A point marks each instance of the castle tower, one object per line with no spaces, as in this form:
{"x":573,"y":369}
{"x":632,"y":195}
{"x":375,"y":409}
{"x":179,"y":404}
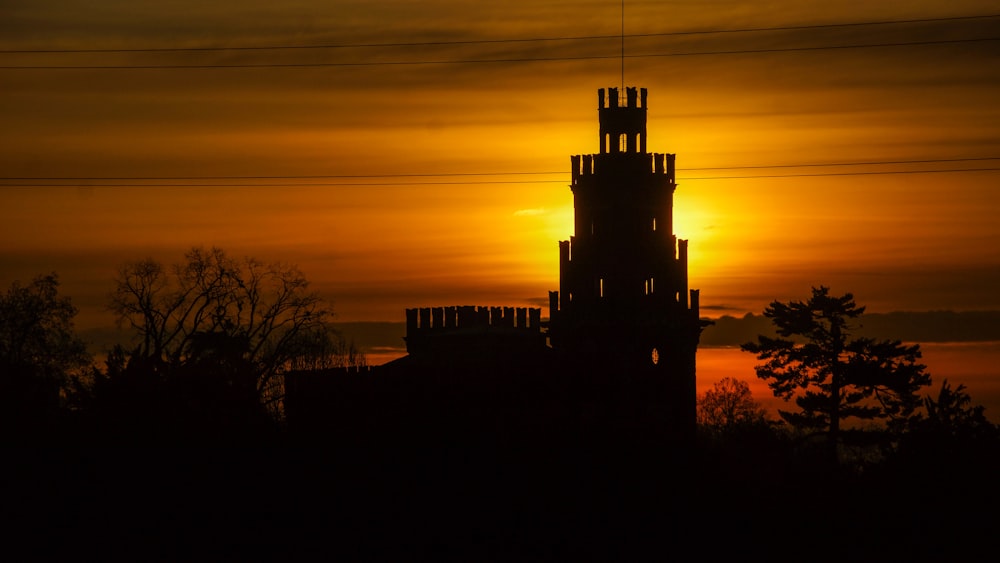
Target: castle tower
{"x":623,"y":313}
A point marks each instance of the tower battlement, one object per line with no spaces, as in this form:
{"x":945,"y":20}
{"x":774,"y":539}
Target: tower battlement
{"x":467,"y":317}
{"x":457,"y":330}
{"x":614,"y":99}
{"x":623,"y":127}
{"x":656,"y":164}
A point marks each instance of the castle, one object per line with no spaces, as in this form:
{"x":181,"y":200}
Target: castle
{"x":616,"y":352}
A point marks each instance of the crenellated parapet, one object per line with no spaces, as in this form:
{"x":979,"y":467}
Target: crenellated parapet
{"x":622,"y":125}
{"x":473,"y":317}
{"x":633,"y":98}
{"x":653,"y":164}
{"x":447,"y":329}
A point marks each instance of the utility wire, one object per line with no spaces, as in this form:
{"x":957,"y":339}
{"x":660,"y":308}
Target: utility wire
{"x":89,"y":184}
{"x":311,"y":177}
{"x":507,"y":60}
{"x":282,"y":185}
{"x":474,"y":174}
{"x":858,"y":173}
{"x":494,"y":41}
{"x":855,"y":163}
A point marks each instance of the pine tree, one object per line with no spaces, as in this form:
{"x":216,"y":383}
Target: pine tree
{"x":832,"y":376}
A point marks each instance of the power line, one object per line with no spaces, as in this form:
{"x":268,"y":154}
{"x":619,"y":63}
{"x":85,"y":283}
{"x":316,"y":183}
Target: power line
{"x":494,"y":41}
{"x":283,"y":185}
{"x":481,"y":174}
{"x":83,"y":184}
{"x":855,"y":163}
{"x":858,"y":173}
{"x":507,"y":60}
{"x":310,"y":177}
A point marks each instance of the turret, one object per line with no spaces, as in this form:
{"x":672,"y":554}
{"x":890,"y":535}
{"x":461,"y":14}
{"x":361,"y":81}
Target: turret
{"x":623,"y":296}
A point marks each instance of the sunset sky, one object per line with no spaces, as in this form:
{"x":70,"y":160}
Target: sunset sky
{"x":416,"y":153}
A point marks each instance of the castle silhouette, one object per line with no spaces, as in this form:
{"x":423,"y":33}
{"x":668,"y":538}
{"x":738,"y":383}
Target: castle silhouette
{"x":615,"y":357}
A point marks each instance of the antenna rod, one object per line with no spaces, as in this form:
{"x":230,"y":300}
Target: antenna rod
{"x":623,"y":46}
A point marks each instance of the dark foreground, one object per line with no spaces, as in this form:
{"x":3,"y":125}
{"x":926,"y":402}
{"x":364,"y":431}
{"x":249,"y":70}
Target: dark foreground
{"x":600,"y":501}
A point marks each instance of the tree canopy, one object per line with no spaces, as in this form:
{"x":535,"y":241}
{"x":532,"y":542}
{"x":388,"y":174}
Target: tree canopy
{"x":729,"y":405}
{"x":36,"y":330}
{"x":39,"y":351}
{"x":223,"y":317}
{"x":832,"y":376}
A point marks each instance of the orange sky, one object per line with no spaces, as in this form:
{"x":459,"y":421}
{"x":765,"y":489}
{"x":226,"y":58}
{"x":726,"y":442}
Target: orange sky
{"x":898,"y":241}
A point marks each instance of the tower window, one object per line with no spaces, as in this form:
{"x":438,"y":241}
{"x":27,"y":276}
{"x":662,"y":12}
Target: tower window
{"x":600,"y":287}
{"x":654,"y":224}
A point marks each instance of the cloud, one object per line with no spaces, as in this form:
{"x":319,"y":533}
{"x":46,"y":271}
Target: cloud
{"x":928,"y":326}
{"x":380,"y":248}
{"x":529,"y":212}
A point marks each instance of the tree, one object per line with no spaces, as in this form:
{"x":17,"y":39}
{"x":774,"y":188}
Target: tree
{"x":833,"y":377}
{"x":240,"y":321}
{"x":949,"y":453}
{"x":953,"y":417}
{"x":39,"y":350}
{"x":729,"y":405}
{"x":328,"y":350}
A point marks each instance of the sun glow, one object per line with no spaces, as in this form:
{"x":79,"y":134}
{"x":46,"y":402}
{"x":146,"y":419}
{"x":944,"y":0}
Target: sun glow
{"x":912,"y":241}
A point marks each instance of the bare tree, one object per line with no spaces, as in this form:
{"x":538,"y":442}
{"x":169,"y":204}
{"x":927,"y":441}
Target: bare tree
{"x":262,"y":313}
{"x":729,"y":405}
{"x":326,"y":350}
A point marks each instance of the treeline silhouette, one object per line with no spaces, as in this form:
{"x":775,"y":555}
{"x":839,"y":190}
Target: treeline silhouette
{"x":908,"y":326}
{"x":176,"y":446}
{"x":729,"y":330}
